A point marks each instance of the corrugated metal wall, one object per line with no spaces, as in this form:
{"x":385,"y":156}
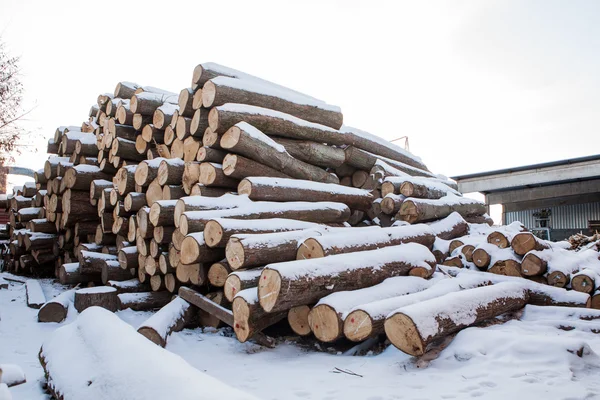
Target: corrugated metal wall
{"x":575,"y":216}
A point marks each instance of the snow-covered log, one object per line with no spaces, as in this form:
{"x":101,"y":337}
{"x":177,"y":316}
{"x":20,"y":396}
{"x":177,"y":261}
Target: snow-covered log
{"x":146,"y":103}
{"x":129,"y":286}
{"x":202,"y":203}
{"x":321,"y":212}
{"x":56,"y":309}
{"x":211,"y":174}
{"x":91,"y":262}
{"x":585,"y":280}
{"x":281,"y":189}
{"x":170,"y":171}
{"x":195,"y":250}
{"x":147,"y":171}
{"x":524,"y":242}
{"x":425,"y":189}
{"x":313,"y":153}
{"x":249,"y":317}
{"x":422,"y":210}
{"x":249,"y":141}
{"x":222,"y":90}
{"x":365,"y":160}
{"x":240,"y":280}
{"x":218,"y":231}
{"x":412,"y":328}
{"x":288,"y":284}
{"x":35,"y":294}
{"x":355,"y":240}
{"x":326,"y":317}
{"x":99,"y":339}
{"x":69,"y":274}
{"x":11,"y":375}
{"x":238,"y":167}
{"x":81,"y":176}
{"x":173,"y":317}
{"x":112,"y":271}
{"x":218,"y":272}
{"x":143,"y":301}
{"x":101,"y":296}
{"x":391,"y":203}
{"x":451,"y":227}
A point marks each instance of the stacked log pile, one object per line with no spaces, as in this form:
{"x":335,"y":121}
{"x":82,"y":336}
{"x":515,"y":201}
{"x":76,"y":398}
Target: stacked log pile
{"x":256,"y":206}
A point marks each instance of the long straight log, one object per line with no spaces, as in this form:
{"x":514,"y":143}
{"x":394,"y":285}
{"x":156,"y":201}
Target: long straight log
{"x":173,"y":317}
{"x":238,"y":167}
{"x":313,"y":153}
{"x":144,"y":301}
{"x":201,"y":203}
{"x":281,"y":189}
{"x":248,"y":141}
{"x":410,"y":327}
{"x":294,"y":283}
{"x":422,"y":210}
{"x":195,"y":250}
{"x":240,"y":280}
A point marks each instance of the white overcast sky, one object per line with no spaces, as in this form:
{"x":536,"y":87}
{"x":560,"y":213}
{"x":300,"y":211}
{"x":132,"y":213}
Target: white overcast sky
{"x":475,"y":85}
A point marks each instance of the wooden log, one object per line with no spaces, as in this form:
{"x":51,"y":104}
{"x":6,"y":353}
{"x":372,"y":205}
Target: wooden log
{"x":199,"y":122}
{"x":126,"y":149}
{"x":322,"y":212}
{"x":281,"y":189}
{"x":140,"y":120}
{"x":112,"y":271}
{"x":56,"y":309}
{"x":144,"y":301}
{"x":41,"y":225}
{"x":163,"y":115}
{"x":313,"y":153}
{"x":298,"y":319}
{"x":129,"y":286}
{"x":422,"y":210}
{"x":128,"y":257}
{"x":365,"y":160}
{"x":212,"y":139}
{"x":39,"y":241}
{"x":248,"y":141}
{"x":195,"y":250}
{"x":218,"y":272}
{"x":35,"y":294}
{"x":201,"y":203}
{"x":349,"y":242}
{"x":153,"y":193}
{"x":69,"y":275}
{"x":147,"y":171}
{"x":190,"y":148}
{"x":146,"y":103}
{"x":326,"y":319}
{"x":285,"y":285}
{"x":208,"y":154}
{"x":183,"y":127}
{"x":248,"y":317}
{"x":218,"y":231}
{"x":409,"y":328}
{"x":157,"y":283}
{"x":584,"y":281}
{"x":238,"y":167}
{"x":134,"y":201}
{"x":425,"y":189}
{"x":212,"y":174}
{"x":126,"y":89}
{"x":162,"y":212}
{"x":207,"y":305}
{"x":170,"y":172}
{"x":173,"y":317}
{"x":201,"y":190}
{"x":80,"y":177}
{"x":240,"y":280}
{"x":92,"y":262}
{"x":103,"y":296}
{"x":173,"y":192}
{"x":451,"y":227}
{"x":524,"y":242}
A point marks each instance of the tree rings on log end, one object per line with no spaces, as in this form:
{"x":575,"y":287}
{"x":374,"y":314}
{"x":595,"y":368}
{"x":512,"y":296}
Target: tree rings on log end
{"x":358,"y":326}
{"x":269,"y":286}
{"x":310,"y":248}
{"x":298,"y":320}
{"x":402,"y":332}
{"x":325,"y":323}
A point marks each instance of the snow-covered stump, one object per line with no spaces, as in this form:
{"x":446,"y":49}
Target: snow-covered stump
{"x":240,"y":280}
{"x":99,"y":338}
{"x":102,"y":296}
{"x":423,"y":210}
{"x":413,"y":328}
{"x":173,"y":317}
{"x":35,"y":294}
{"x":298,"y":319}
{"x":249,"y":141}
{"x":451,"y":227}
{"x":56,"y":309}
{"x":288,"y":284}
{"x":143,"y":301}
{"x":281,"y":189}
{"x":326,"y":319}
{"x":217,"y":232}
{"x":356,"y":240}
{"x":320,"y":212}
{"x":249,"y":317}
{"x":11,"y":375}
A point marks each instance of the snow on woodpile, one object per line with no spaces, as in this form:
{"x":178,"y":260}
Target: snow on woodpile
{"x":101,"y":357}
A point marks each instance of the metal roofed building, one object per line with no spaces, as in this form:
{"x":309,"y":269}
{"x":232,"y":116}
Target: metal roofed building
{"x":556,"y":199}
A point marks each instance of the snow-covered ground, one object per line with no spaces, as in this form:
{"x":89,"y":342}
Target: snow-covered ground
{"x":530,"y":358}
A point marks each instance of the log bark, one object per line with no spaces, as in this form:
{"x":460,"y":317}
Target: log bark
{"x":104,"y":296}
{"x":409,"y":327}
{"x":56,"y":309}
{"x":248,"y":316}
{"x":195,"y":250}
{"x":240,"y":280}
{"x":163,"y":116}
{"x":144,"y":301}
{"x":112,"y":271}
{"x":129,"y":286}
{"x":201,"y":190}
{"x":146,"y":103}
{"x":170,"y":172}
{"x":199,"y":122}
{"x":69,"y":274}
{"x":162,"y":212}
{"x":147,"y":171}
{"x":248,"y":141}
{"x":208,"y":154}
{"x":217,"y":232}
{"x":313,"y":153}
{"x":238,"y":167}
{"x":451,"y":227}
{"x":80,"y":177}
{"x":92,"y":262}
{"x":173,"y":317}
{"x":371,"y":239}
{"x":204,"y":203}
{"x":212,"y":174}
{"x":364,"y":160}
{"x":322,"y":212}
{"x":285,"y":285}
{"x":422,"y":210}
{"x":173,"y":192}
{"x":281,"y":189}
{"x":134,"y":201}
{"x":207,"y":305}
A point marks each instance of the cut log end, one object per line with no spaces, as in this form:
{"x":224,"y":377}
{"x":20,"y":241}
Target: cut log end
{"x":152,"y":335}
{"x":52,"y":312}
{"x":481,"y":258}
{"x":583,"y":283}
{"x":499,"y":239}
{"x":325,"y":323}
{"x":235,"y":253}
{"x":245,"y":187}
{"x":408,"y":212}
{"x":232,"y":287}
{"x":298,"y":320}
{"x":213,"y":233}
{"x":310,"y":248}
{"x":402,"y":332}
{"x":532,"y":265}
{"x":358,"y":326}
{"x":269,"y":286}
{"x":241,"y":314}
